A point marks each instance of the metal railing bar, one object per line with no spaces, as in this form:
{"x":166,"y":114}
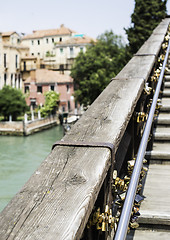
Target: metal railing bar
{"x":130,"y":196}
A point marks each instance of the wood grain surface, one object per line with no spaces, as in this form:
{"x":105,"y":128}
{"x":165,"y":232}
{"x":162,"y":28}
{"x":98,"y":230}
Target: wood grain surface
{"x":57,"y":200}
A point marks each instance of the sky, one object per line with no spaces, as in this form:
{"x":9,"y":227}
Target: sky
{"x":90,"y":17}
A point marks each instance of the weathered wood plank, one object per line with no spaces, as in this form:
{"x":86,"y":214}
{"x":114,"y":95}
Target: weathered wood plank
{"x":162,"y":27}
{"x":151,"y":46}
{"x":154,"y":42}
{"x":132,"y":69}
{"x":58,"y":199}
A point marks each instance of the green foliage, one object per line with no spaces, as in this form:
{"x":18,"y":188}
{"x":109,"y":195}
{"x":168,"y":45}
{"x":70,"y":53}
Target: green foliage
{"x":49,"y":54}
{"x":12,"y":102}
{"x":51,"y":103}
{"x":147,"y":15}
{"x":93,"y":70}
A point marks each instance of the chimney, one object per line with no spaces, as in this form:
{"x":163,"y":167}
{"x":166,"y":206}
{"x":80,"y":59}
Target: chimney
{"x":33,"y":74}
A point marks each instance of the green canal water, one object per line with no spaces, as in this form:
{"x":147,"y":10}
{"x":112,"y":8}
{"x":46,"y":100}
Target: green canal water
{"x":20,"y":157}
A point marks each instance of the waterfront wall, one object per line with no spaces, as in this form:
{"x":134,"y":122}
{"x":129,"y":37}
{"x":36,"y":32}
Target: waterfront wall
{"x":21,"y":128}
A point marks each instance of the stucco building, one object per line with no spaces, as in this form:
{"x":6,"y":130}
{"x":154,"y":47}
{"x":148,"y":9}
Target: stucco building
{"x":56,"y":48}
{"x":41,"y":42}
{"x":43,"y":50}
{"x":43,"y":80}
{"x":67,"y":50}
{"x":11,"y":52}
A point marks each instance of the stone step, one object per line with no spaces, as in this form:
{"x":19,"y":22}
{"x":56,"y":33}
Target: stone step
{"x":165,"y":104}
{"x":163,"y":118}
{"x":167,"y":77}
{"x":162,"y":134}
{"x":167,"y":72}
{"x":148,"y":234}
{"x":167,"y":84}
{"x":166,"y":92}
{"x":155,"y":209}
{"x":160,"y":153}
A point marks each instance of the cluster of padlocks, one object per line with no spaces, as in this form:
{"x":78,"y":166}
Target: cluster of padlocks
{"x":120,"y":187}
{"x":110,"y":217}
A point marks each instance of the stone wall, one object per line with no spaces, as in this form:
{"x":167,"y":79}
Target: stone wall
{"x":11,"y":128}
{"x":22,"y":128}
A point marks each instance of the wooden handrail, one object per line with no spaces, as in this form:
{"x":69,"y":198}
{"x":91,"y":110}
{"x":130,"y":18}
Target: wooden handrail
{"x":57,"y":200}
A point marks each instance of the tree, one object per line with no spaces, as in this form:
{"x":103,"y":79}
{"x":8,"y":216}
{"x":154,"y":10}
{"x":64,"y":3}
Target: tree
{"x":93,"y":70}
{"x":12,"y":102}
{"x":147,"y":15}
{"x":51,"y":103}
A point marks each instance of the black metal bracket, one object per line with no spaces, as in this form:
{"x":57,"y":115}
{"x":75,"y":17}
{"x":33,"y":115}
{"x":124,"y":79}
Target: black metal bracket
{"x":108,"y":145}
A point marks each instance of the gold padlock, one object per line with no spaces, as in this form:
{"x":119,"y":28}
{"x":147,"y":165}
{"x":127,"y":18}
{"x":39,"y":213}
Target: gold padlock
{"x":98,"y":226}
{"x":117,"y":180}
{"x":104,"y":226}
{"x":134,"y":225}
{"x":107,"y":209}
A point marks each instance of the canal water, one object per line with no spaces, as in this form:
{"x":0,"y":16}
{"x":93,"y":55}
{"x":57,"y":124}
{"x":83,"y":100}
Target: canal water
{"x":20,"y":157}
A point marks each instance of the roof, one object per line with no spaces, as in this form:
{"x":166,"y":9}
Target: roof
{"x":76,"y":41}
{"x":7,"y":34}
{"x":49,"y":32}
{"x":48,"y":76}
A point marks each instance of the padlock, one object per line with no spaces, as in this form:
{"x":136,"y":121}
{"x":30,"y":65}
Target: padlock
{"x":122,"y":196}
{"x":114,"y":174}
{"x":117,"y":180}
{"x":104,"y":226}
{"x":98,"y":226}
{"x":134,"y":225}
{"x":112,"y":224}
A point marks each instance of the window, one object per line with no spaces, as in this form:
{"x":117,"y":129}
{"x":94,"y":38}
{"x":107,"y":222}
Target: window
{"x":69,"y":107}
{"x":52,"y":40}
{"x":32,"y":42}
{"x":38,"y":54}
{"x":16,"y":61}
{"x":68,"y":87}
{"x":15,"y":80}
{"x":32,"y":54}
{"x":5,"y":78}
{"x":60,"y":40}
{"x":38,"y":41}
{"x":19,"y":81}
{"x":61,"y":50}
{"x":61,"y":68}
{"x":52,"y":87}
{"x":81,"y":49}
{"x":25,"y":66}
{"x":26,"y":89}
{"x":11,"y":79}
{"x":33,"y":102}
{"x":71,"y":51}
{"x":39,"y":89}
{"x":5,"y":60}
{"x":46,"y":40}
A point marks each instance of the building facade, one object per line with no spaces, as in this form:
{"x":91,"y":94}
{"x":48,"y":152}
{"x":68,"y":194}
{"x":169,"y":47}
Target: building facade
{"x":11,"y":52}
{"x":41,"y":42}
{"x":67,"y":50}
{"x":57,"y":48}
{"x":42,"y":81}
{"x":26,"y":63}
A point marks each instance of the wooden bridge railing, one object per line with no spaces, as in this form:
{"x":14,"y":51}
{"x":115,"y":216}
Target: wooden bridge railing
{"x":58,"y":199}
